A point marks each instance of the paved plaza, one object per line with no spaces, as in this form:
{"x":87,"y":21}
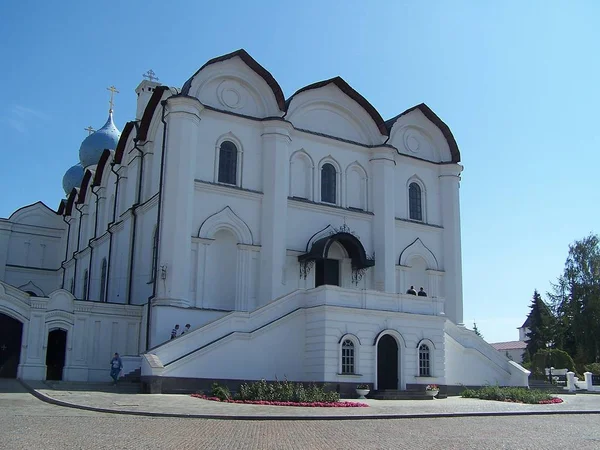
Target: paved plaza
{"x":28,"y":423}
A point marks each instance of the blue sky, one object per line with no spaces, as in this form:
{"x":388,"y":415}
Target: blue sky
{"x":517,"y":82}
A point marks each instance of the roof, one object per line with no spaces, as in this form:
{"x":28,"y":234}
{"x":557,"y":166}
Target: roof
{"x":510,"y":345}
{"x":250,"y":62}
{"x":434,"y":118}
{"x":350,"y":92}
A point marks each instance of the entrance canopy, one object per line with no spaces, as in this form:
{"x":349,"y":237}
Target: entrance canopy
{"x":320,"y":250}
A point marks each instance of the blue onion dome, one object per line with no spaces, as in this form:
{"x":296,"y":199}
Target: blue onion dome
{"x":94,"y":145}
{"x":73,"y":178}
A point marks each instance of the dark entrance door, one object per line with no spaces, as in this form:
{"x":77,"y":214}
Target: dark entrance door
{"x":387,"y":363}
{"x":11,"y":331}
{"x":56,"y":354}
{"x":327,"y":272}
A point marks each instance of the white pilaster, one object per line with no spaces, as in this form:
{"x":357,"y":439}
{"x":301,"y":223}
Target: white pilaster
{"x":449,"y":187}
{"x":201,"y":254}
{"x":183,"y":121}
{"x":434,"y":277}
{"x":4,"y":238}
{"x":243,"y":277}
{"x":275,"y":140}
{"x":383,"y":164}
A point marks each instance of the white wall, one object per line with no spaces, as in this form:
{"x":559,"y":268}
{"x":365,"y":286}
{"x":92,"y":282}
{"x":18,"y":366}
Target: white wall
{"x":95,"y":331}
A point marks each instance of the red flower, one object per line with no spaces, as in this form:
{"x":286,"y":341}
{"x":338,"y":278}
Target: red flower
{"x":305,"y":404}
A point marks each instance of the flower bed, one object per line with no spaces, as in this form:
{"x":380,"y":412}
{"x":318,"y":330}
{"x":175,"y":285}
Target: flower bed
{"x":277,"y":403}
{"x":512,"y":395}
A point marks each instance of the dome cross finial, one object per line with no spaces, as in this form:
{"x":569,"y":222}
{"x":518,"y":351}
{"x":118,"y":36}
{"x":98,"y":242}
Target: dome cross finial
{"x":113,"y":91}
{"x":150,"y":76}
{"x":89,"y":129}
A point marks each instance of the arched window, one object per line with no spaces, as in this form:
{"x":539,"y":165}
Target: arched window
{"x":328,"y":183}
{"x":228,"y":163}
{"x":85,"y":285}
{"x":424,"y":361}
{"x":348,"y":357}
{"x":154,"y":254}
{"x":103,"y":281}
{"x":415,"y":202}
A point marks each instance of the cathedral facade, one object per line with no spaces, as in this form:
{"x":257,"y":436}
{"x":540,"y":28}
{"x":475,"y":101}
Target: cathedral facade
{"x":301,"y":237}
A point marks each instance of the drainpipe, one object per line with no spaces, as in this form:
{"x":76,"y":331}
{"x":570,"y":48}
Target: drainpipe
{"x":134,"y":220}
{"x":78,"y":244}
{"x":91,"y":246}
{"x":66,"y":250}
{"x":158,"y":217}
{"x":110,"y":239}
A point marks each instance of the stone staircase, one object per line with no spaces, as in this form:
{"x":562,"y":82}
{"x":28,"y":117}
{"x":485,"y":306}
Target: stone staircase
{"x":395,"y":394}
{"x":133,"y":377}
{"x":543,"y":385}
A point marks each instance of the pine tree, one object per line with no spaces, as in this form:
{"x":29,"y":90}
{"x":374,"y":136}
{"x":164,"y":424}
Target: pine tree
{"x":541,"y":325}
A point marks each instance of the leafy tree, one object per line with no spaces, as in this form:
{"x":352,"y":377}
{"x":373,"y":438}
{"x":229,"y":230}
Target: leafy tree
{"x":476,"y":330}
{"x":541,"y":325}
{"x":576,"y":302}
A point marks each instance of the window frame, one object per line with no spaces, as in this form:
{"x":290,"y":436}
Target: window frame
{"x":227,"y":174}
{"x":354,"y":365}
{"x":423,"y":199}
{"x":154,"y":255}
{"x":229,"y":137}
{"x":103,"y":278}
{"x":336,"y":183}
{"x":425,"y":366}
{"x":86,"y":280}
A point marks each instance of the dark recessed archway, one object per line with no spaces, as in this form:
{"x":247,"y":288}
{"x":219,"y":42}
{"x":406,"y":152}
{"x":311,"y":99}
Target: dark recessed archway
{"x":56,"y":354}
{"x":328,"y":270}
{"x":387,"y":363}
{"x":11,"y":332}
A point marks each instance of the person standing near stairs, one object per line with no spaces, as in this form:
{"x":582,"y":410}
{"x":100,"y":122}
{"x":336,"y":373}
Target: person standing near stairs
{"x":115,"y":367}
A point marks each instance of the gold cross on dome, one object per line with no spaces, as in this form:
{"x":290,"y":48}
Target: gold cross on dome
{"x":113,"y":91}
{"x":89,"y":129}
{"x":150,"y":75}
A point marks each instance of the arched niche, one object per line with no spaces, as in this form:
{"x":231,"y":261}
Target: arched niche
{"x":356,"y":187}
{"x":301,"y":175}
{"x":226,"y":219}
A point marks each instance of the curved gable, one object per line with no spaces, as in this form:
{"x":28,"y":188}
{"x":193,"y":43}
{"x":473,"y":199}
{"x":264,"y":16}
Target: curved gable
{"x":237,"y":83}
{"x":419,"y":132}
{"x":84,"y":186}
{"x":129,"y":126}
{"x":101,"y":167}
{"x":332,"y":107}
{"x":157,"y":96}
{"x":36,"y":214}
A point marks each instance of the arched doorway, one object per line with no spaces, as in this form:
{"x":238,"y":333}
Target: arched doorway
{"x":56,"y":354}
{"x":328,"y":254}
{"x":387,"y":363}
{"x":11,"y":331}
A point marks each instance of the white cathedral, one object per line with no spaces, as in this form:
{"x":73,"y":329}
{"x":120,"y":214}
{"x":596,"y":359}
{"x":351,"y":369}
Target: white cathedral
{"x":301,"y":237}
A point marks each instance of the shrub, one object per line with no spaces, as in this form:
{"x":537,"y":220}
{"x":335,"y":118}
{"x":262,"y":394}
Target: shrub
{"x":221,"y":392}
{"x":594,"y":368}
{"x":510,"y":394}
{"x":285,"y":391}
{"x":552,"y":357}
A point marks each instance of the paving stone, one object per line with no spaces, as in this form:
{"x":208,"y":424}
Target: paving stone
{"x":27,"y":423}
